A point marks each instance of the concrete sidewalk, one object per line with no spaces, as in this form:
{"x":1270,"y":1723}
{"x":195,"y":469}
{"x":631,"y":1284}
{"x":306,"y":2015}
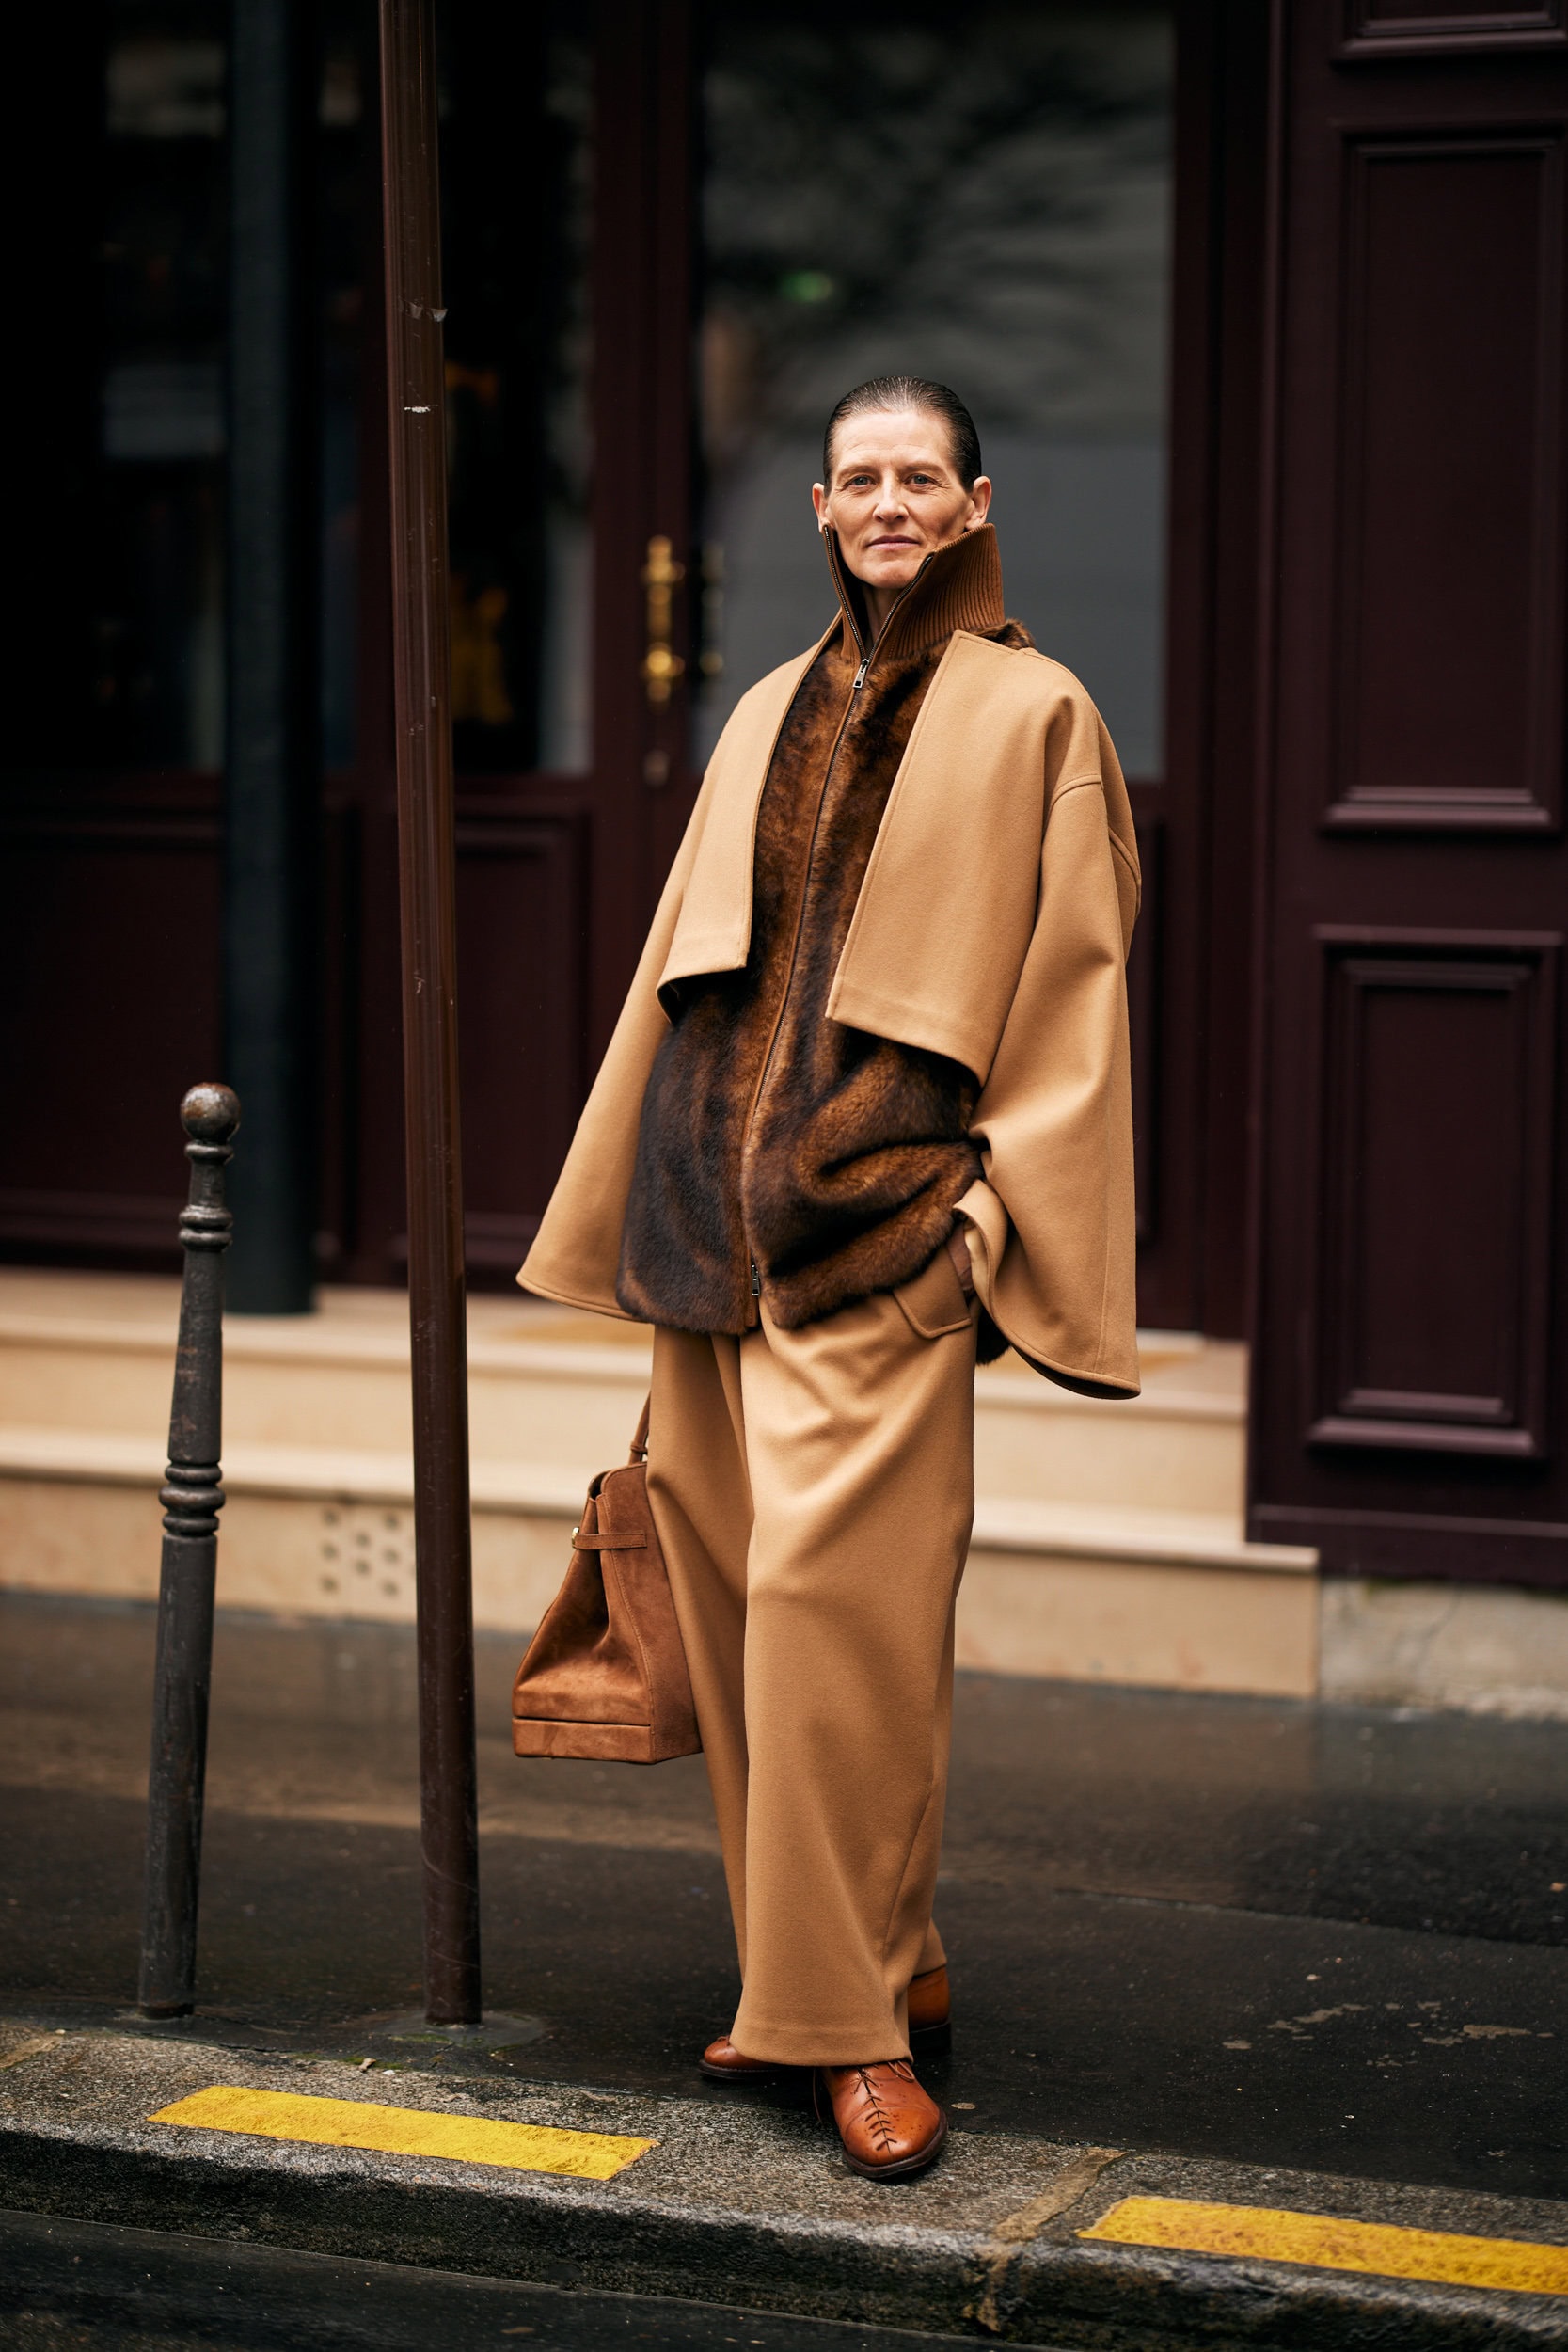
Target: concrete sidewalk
{"x":1281,"y":1955}
{"x":747,"y":2204}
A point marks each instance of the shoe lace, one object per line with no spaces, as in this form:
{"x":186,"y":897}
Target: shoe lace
{"x":878,"y":2120}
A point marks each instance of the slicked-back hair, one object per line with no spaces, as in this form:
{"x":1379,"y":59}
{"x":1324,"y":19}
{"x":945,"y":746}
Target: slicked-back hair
{"x":909,"y":391}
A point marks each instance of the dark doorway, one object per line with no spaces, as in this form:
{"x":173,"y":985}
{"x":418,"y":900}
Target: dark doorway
{"x":673,"y":235}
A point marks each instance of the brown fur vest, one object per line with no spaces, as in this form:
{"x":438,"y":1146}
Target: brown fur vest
{"x":782,"y":1155}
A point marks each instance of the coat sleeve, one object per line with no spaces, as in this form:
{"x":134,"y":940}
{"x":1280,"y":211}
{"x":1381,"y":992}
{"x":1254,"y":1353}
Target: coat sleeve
{"x":1051,"y":1223}
{"x":577,"y":1248}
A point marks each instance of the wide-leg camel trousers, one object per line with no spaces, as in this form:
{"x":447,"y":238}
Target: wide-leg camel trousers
{"x":814,"y":1492}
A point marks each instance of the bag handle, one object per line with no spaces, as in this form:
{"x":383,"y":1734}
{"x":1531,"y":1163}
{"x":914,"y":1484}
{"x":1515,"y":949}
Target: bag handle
{"x":639,"y":1443}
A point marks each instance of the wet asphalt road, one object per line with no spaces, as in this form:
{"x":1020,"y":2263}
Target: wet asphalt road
{"x":75,"y":2286}
{"x":1283,"y":1933}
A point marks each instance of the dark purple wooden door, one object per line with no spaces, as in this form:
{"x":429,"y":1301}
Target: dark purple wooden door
{"x":1413,"y":1271}
{"x":569,"y":367}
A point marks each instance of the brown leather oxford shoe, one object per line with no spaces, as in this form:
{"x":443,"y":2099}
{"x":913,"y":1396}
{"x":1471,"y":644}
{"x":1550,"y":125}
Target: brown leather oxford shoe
{"x":723,"y":2063}
{"x":889,"y":2128}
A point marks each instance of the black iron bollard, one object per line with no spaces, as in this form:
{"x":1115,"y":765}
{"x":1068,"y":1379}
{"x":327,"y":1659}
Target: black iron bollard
{"x":192,"y":1498}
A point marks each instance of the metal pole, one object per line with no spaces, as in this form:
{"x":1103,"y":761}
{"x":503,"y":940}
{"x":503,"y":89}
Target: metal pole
{"x":192,"y":1498}
{"x":422,"y":680}
{"x":271,"y":798}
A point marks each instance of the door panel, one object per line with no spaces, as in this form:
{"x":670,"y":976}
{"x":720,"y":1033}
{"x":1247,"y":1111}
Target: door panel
{"x":97,"y":883}
{"x":1450,"y":547}
{"x":1408,"y":1358}
{"x":1414,"y":28}
{"x":1436,"y":1079}
{"x":522,"y":905}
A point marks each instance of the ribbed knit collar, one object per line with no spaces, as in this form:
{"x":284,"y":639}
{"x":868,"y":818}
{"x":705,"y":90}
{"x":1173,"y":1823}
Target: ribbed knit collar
{"x":958,"y":587}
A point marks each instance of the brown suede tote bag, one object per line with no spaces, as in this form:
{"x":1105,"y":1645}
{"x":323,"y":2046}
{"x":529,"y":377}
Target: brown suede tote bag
{"x":605,"y":1675}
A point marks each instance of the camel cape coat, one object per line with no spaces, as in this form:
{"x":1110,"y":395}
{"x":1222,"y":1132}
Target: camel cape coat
{"x":993,"y":925}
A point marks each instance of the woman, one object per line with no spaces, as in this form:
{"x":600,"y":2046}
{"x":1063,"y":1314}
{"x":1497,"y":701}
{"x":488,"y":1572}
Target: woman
{"x":865,"y":1114}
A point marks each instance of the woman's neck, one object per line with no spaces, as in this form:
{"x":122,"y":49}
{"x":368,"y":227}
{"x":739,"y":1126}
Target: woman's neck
{"x":878,"y":604}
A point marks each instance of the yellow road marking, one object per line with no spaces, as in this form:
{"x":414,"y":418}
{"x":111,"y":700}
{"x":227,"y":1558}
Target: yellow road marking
{"x":1440,"y":2256}
{"x":405,"y":2131}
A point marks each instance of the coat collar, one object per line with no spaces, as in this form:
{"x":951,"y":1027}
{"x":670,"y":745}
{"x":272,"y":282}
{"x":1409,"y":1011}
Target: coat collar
{"x":959,"y":587}
{"x":713,"y":930}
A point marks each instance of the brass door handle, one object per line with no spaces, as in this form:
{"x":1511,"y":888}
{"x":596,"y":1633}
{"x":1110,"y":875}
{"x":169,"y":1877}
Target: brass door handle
{"x":662,"y":577}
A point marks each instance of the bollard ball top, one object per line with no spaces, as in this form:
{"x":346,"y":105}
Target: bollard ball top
{"x":210,"y":1114}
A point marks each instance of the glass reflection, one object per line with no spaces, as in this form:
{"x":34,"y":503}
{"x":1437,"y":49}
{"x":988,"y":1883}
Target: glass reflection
{"x":516,"y":173}
{"x":985,"y":201}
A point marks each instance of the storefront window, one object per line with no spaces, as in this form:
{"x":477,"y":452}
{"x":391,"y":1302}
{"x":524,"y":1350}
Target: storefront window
{"x":516,"y":172}
{"x":121,"y":520}
{"x":155,"y":609}
{"x":983,"y":198}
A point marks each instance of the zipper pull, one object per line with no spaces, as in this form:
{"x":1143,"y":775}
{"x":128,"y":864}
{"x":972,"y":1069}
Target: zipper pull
{"x":756,"y":1280}
{"x":859,"y":674}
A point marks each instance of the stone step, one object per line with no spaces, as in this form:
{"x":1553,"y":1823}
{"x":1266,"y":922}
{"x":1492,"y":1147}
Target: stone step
{"x":1107,"y":1541}
{"x":546,"y":1385}
{"x":311,"y":1530}
{"x":1117,"y":1595}
{"x":1180,"y":1446}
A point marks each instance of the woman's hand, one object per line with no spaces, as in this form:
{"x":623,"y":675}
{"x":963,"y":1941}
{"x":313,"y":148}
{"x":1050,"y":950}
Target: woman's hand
{"x":958,"y":1250}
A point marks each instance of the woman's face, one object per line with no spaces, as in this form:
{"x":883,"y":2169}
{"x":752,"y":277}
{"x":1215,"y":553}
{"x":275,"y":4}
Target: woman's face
{"x":895,"y":496}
